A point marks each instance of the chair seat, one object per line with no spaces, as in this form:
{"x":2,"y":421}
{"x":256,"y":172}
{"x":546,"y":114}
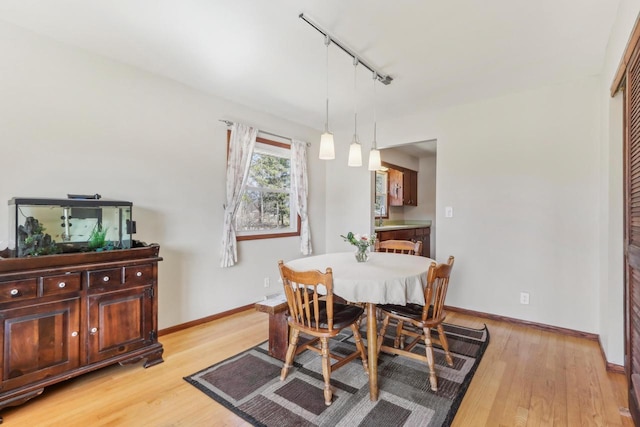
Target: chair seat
{"x":410,"y":311}
{"x":343,"y":315}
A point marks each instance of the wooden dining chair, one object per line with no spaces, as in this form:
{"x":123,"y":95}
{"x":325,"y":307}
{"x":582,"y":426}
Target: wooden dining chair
{"x":313,"y":311}
{"x":399,"y":246}
{"x":422,"y":318}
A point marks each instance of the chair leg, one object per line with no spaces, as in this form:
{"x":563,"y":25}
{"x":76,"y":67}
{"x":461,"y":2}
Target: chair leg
{"x":383,"y":330}
{"x":445,"y":345}
{"x":326,"y":370}
{"x":430,"y":360}
{"x":291,"y":351}
{"x":360,"y":347}
{"x":399,"y":341}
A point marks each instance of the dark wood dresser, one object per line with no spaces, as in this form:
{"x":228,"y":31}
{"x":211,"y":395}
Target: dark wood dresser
{"x":65,"y":315}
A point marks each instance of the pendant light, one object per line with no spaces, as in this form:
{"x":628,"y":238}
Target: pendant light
{"x":327,"y":150}
{"x":355,"y":149}
{"x":375,"y":162}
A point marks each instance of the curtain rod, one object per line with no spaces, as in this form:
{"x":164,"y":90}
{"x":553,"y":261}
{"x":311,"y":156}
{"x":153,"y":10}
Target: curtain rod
{"x":384,"y":78}
{"x":229,"y":123}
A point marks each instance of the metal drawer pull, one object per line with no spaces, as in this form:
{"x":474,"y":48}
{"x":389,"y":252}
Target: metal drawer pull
{"x":94,"y":330}
{"x":74,"y":333}
{"x":14,"y":292}
{"x":105,"y":279}
{"x":62,"y":285}
{"x":139,"y":274}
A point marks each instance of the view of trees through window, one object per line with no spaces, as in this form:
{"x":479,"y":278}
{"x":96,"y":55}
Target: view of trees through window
{"x":266,"y":203}
{"x":381,"y":203}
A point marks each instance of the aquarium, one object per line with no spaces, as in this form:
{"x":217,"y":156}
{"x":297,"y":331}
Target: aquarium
{"x":39,"y":226}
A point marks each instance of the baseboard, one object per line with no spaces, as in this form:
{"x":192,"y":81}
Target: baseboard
{"x":207,"y":319}
{"x":611,"y":367}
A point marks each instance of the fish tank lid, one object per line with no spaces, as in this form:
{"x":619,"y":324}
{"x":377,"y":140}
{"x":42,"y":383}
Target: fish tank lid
{"x":71,"y":202}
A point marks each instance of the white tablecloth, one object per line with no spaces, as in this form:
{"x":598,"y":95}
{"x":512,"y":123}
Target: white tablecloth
{"x":386,"y":278}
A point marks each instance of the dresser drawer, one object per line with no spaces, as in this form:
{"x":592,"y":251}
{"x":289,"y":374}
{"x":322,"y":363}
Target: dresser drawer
{"x":138,"y":275}
{"x":111,"y":277}
{"x":53,"y":285}
{"x":18,"y":290}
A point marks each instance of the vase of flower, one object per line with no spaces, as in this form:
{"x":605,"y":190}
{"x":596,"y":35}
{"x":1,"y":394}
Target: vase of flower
{"x":362,"y":243}
{"x":362,"y":254}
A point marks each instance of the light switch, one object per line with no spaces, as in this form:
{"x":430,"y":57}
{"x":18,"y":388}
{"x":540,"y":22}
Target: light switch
{"x":448,"y":212}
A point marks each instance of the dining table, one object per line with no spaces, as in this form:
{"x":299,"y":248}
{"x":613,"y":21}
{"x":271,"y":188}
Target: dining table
{"x":386,"y":278}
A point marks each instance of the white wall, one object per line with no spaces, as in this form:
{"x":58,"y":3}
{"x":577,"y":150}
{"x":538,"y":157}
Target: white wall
{"x":73,"y":122}
{"x":426,"y":209}
{"x":521,"y":172}
{"x":611,"y":221}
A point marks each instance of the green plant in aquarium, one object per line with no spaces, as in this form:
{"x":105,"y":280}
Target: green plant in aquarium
{"x":97,"y":240}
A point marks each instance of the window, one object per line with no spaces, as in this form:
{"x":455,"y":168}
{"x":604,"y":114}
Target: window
{"x":268,"y":208}
{"x":382,"y":203}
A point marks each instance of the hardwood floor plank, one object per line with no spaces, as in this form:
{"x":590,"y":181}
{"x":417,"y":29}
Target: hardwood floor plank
{"x":527,"y":377}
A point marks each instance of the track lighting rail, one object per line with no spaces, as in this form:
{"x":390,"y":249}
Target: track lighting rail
{"x":384,"y":78}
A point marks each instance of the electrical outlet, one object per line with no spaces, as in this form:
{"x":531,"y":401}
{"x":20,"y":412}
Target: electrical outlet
{"x":524,"y":297}
{"x":266,"y":282}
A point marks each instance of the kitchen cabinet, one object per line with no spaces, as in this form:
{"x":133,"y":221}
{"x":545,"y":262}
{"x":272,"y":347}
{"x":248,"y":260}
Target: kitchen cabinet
{"x":65,"y":315}
{"x":396,"y":184}
{"x":403,"y":186}
{"x":422,"y":234}
{"x":410,"y":188}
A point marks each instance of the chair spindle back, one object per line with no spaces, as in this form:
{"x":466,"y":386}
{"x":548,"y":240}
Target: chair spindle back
{"x":303,"y":292}
{"x":399,"y":247}
{"x":436,"y":289}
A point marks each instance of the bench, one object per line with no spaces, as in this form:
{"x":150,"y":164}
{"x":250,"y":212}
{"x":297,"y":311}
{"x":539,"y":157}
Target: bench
{"x":276,"y":307}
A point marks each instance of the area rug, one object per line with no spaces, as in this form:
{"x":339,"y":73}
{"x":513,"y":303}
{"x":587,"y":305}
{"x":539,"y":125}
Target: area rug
{"x":249,"y":385}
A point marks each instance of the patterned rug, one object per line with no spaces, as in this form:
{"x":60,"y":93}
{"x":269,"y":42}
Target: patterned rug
{"x":249,"y":385}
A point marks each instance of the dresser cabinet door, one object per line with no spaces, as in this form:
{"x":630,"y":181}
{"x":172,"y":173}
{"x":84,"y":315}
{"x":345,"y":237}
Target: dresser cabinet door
{"x":120,"y":322}
{"x":39,"y":341}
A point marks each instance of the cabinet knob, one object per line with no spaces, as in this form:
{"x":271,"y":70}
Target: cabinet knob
{"x":94,"y":330}
{"x":14,"y":292}
{"x":139,"y":274}
{"x":74,"y":333}
{"x":62,"y":285}
{"x":105,"y":279}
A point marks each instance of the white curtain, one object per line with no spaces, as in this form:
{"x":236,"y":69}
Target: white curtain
{"x":300,"y":191}
{"x":243,"y":139}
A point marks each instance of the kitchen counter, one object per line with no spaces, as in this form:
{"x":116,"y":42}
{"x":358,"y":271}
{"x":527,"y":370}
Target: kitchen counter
{"x":405,"y":226}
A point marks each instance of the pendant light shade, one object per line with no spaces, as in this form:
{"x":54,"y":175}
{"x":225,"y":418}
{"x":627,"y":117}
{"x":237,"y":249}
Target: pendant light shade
{"x":355,"y":153}
{"x":375,"y":163}
{"x":327,"y":150}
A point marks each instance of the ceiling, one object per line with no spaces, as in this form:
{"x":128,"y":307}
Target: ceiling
{"x":259,"y":53}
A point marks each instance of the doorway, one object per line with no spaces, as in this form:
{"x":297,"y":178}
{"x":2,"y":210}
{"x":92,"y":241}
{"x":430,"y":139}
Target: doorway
{"x":421,"y":157}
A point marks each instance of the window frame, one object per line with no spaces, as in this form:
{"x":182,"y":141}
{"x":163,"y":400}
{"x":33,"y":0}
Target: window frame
{"x":292,"y":203}
{"x":385,"y":195}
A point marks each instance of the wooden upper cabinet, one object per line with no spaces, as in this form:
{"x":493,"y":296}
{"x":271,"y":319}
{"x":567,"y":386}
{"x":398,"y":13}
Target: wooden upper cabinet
{"x":403,"y":186}
{"x":410,"y":190}
{"x":396,"y":184}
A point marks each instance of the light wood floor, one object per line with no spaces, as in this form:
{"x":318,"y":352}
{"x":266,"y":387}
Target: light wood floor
{"x":526,"y":378}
